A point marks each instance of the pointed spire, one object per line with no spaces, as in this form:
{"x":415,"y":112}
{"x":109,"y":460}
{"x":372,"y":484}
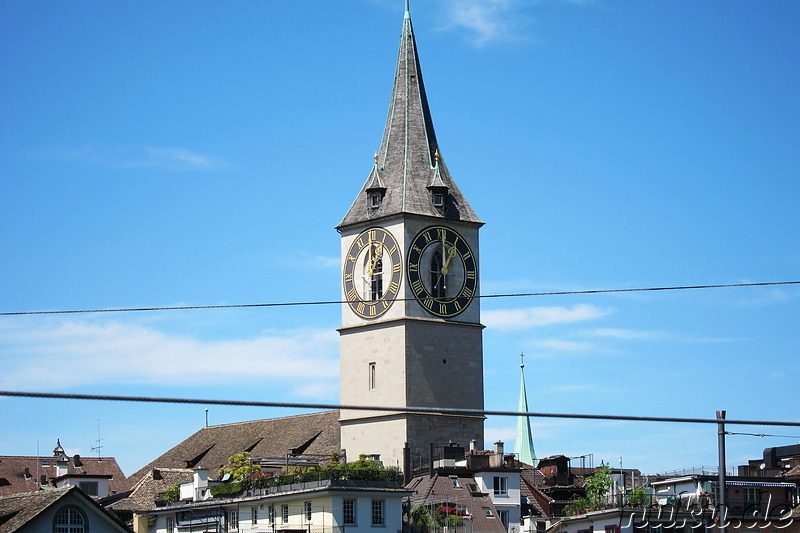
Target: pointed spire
{"x":409,"y":159}
{"x":524,"y":440}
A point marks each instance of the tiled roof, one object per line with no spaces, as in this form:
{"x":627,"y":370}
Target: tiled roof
{"x":440,"y":489}
{"x":17,"y":510}
{"x":210,"y":448}
{"x":409,"y":159}
{"x":149,"y":488}
{"x":13,"y":477}
{"x":531,"y":479}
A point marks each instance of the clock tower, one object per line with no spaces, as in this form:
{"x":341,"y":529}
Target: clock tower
{"x":411,"y":334}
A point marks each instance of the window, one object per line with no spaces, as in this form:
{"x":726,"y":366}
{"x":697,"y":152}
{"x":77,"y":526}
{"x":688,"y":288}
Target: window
{"x":438,"y":278}
{"x":233,"y":520}
{"x":374,"y":270}
{"x":454,"y":481}
{"x":375,"y":199}
{"x":254,"y":516}
{"x":372,"y":376}
{"x":307,"y":507}
{"x":271,"y":515}
{"x":488,"y":512}
{"x":69,"y":520}
{"x":438,"y":199}
{"x":474,"y":489}
{"x":500,"y":486}
{"x":503,"y":516}
{"x":377,"y":513}
{"x":170,"y":525}
{"x":349,"y":512}
{"x":285,"y":514}
{"x":88,"y":487}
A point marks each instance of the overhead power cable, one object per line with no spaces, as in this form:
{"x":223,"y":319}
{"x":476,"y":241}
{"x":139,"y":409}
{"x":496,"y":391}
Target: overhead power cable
{"x":414,"y":410}
{"x":330,"y":302}
{"x":763,"y":435}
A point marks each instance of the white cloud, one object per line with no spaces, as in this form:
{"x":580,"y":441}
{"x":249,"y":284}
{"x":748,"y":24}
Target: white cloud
{"x":561,"y":345}
{"x":513,"y":319}
{"x":304,"y":260}
{"x":81,"y":353}
{"x":488,"y":20}
{"x":160,"y":158}
{"x":175,"y":159}
{"x":626,"y":333}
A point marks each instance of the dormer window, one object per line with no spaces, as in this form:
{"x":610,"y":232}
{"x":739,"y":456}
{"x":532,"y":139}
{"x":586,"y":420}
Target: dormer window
{"x":438,"y":199}
{"x":375,"y":199}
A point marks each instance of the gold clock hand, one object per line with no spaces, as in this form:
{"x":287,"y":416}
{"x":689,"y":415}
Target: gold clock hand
{"x":376,"y":256}
{"x":451,"y":253}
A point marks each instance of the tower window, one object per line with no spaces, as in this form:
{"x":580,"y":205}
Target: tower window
{"x":373,"y":273}
{"x":438,"y":199}
{"x":438,"y":278}
{"x":372,"y":376}
{"x":375,"y":199}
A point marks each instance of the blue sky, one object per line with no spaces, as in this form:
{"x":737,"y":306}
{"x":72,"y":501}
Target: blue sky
{"x":168,"y":153}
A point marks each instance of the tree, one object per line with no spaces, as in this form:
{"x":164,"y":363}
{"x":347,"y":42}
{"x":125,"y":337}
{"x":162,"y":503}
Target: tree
{"x":173,"y":493}
{"x":239,"y":466}
{"x":597,"y":487}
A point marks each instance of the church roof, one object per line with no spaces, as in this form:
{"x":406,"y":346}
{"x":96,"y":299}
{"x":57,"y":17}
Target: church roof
{"x":409,"y":166}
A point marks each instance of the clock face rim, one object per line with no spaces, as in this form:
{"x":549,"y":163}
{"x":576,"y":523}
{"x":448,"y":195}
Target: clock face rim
{"x":372,"y":309}
{"x":447,"y":307}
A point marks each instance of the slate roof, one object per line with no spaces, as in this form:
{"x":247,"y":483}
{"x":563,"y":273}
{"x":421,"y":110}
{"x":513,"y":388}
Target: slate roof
{"x":409,"y":159}
{"x":439,"y":489}
{"x":19,"y":509}
{"x":210,"y":448}
{"x":13,"y":479}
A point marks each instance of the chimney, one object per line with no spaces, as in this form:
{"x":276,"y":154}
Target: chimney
{"x":473,"y":446}
{"x":200,"y":484}
{"x":76,"y":460}
{"x":498,"y":447}
{"x":157,"y":474}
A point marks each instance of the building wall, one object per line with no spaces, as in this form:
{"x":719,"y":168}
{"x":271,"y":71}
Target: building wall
{"x":509,"y":502}
{"x":326,"y":509}
{"x":96,"y":521}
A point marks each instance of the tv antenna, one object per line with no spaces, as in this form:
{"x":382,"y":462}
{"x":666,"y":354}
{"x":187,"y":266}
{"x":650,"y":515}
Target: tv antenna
{"x":98,"y":446}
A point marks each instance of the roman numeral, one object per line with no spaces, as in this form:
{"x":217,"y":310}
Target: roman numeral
{"x":417,"y":287}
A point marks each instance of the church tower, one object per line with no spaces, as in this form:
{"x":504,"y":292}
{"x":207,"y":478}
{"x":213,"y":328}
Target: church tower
{"x":411,"y":334}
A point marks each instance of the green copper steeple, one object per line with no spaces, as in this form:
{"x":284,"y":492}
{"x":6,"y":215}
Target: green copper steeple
{"x":524,"y":440}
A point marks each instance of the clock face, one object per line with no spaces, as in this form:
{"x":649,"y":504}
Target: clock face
{"x":442,"y":271}
{"x":372,"y":272}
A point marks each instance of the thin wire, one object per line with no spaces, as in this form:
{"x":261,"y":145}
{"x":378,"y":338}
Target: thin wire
{"x":415,"y":410}
{"x":763,"y":435}
{"x":330,"y":302}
